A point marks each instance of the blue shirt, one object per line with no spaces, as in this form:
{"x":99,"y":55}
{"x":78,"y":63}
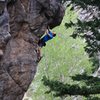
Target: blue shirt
{"x":47,"y":37}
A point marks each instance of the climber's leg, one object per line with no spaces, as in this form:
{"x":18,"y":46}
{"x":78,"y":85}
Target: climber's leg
{"x":39,"y":54}
{"x":41,"y":43}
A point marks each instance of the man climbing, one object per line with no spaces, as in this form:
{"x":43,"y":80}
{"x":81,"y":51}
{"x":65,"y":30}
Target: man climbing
{"x":42,"y":42}
{"x":48,"y":36}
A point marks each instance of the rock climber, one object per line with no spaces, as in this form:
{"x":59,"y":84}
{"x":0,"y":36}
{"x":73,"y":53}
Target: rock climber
{"x":48,"y":36}
{"x":42,"y":42}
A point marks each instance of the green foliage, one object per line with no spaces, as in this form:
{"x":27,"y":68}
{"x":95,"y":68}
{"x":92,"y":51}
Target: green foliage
{"x":91,"y":39}
{"x":89,"y":80}
{"x":60,"y":89}
{"x":84,"y":3}
{"x":91,"y":26}
{"x":90,"y":84}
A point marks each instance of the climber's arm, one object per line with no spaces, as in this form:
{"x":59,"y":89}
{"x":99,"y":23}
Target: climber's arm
{"x":47,"y":32}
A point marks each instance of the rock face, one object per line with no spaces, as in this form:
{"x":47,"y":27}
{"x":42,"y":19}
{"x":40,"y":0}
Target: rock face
{"x":26,"y":23}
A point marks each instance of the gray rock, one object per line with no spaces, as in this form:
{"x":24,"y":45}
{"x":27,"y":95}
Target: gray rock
{"x":28,"y":20}
{"x":4,"y":26}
